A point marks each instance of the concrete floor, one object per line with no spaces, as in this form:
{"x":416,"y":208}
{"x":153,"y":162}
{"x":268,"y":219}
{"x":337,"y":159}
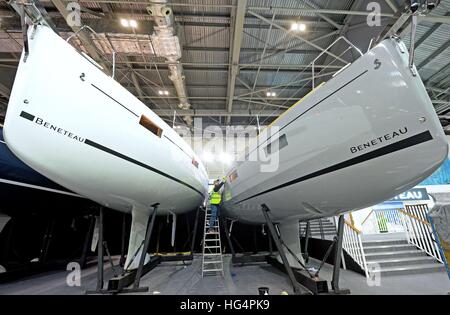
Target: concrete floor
{"x":174,"y":278}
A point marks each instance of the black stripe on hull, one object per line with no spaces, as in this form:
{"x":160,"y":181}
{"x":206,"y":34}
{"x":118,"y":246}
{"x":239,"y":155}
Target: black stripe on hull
{"x":131,"y":160}
{"x":400,"y":145}
{"x":313,"y":106}
{"x":112,"y":98}
{"x":191,"y":157}
{"x":27,"y":116}
{"x":126,"y":158}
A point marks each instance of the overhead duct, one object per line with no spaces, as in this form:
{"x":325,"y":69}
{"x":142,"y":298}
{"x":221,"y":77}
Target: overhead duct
{"x":167,"y":45}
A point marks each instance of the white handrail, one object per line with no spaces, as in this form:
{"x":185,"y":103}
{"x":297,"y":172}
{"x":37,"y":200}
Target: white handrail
{"x":326,"y":49}
{"x":96,"y":34}
{"x":419,"y":231}
{"x":352,"y":243}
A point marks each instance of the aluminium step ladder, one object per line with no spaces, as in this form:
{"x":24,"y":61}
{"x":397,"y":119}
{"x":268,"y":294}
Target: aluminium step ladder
{"x":212,"y":261}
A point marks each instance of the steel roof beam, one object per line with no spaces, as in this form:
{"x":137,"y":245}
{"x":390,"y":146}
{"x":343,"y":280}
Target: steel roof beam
{"x":436,"y":53}
{"x":85,"y":39}
{"x":279,"y":10}
{"x":218,"y":113}
{"x":296,"y":36}
{"x":235,"y":52}
{"x":155,"y":97}
{"x":441,"y":72}
{"x":392,"y":5}
{"x":312,"y":5}
{"x":5,"y":91}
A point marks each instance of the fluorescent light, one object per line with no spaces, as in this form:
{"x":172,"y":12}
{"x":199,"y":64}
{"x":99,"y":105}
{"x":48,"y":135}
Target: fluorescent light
{"x":207,"y":157}
{"x":298,"y":27}
{"x":124,"y":22}
{"x":166,"y":92}
{"x":128,"y":23}
{"x":133,"y":23}
{"x":268,"y":94}
{"x":160,"y":92}
{"x":274,"y":94}
{"x":226,"y":158}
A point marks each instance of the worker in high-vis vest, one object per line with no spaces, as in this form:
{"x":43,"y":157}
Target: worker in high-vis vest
{"x":215,"y":200}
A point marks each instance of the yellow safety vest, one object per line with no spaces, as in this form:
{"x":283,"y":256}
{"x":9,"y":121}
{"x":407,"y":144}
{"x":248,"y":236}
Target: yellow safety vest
{"x":215,"y":197}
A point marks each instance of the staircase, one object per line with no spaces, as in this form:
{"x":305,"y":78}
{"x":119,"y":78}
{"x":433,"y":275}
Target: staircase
{"x":320,"y":228}
{"x":398,"y":257}
{"x":212,"y":261}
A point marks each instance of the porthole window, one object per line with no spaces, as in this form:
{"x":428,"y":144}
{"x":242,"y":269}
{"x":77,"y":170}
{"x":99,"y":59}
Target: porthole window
{"x":233,"y":176}
{"x":150,"y":125}
{"x":277,"y":145}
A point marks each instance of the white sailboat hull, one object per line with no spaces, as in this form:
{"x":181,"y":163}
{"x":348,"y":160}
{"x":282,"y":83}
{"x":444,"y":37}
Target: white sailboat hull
{"x":80,"y":128}
{"x":368,"y":134}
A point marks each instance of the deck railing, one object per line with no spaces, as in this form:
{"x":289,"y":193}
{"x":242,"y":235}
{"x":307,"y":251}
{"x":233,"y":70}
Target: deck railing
{"x":352,"y":244}
{"x":419,"y":231}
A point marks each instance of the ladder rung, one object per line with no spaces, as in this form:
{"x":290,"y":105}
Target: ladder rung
{"x":212,"y":253}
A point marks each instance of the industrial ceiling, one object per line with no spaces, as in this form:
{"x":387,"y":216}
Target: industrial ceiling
{"x":242,"y":62}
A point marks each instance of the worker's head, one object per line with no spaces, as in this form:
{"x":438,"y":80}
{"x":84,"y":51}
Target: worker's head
{"x":216,"y":182}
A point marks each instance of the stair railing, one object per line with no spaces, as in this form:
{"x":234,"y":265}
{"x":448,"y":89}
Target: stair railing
{"x":322,"y":234}
{"x":419,"y":231}
{"x":352,"y":244}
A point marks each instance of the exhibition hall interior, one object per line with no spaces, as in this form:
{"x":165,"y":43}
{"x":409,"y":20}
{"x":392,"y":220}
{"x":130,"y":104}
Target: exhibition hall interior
{"x":207,"y":148}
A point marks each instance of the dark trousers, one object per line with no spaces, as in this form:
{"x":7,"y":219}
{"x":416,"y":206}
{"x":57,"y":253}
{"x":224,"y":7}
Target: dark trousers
{"x":214,"y":213}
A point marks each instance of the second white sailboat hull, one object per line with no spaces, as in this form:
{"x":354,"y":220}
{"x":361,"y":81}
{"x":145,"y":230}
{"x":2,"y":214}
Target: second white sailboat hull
{"x":368,"y":134}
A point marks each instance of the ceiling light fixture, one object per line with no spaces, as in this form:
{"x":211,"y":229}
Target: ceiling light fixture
{"x":124,"y":22}
{"x":207,"y":157}
{"x":133,"y":23}
{"x":226,"y":158}
{"x":128,"y":23}
{"x":297,"y":26}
